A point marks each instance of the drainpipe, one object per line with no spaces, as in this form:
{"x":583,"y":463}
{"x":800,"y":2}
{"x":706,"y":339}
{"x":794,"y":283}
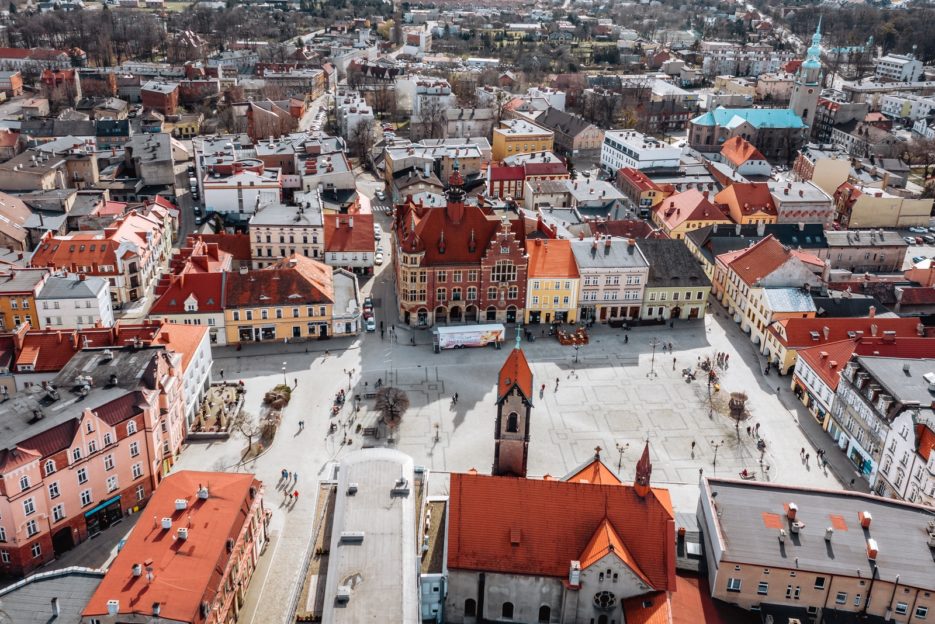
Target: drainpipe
{"x":481,"y":590}
{"x":873,"y":577}
{"x":893,"y":595}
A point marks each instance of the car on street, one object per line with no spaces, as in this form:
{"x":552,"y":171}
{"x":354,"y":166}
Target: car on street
{"x":919,"y":240}
{"x":918,"y":259}
{"x":380,"y":195}
{"x":198,"y":220}
{"x":928,"y":238}
{"x":378,"y":258}
{"x":370,"y":324}
{"x":918,"y":230}
{"x":910,"y":240}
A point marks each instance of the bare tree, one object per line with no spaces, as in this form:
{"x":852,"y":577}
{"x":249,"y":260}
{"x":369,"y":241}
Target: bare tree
{"x":249,"y":427}
{"x":361,"y":138}
{"x":392,"y":403}
{"x":432,"y":118}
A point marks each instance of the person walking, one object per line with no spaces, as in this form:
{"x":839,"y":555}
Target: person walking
{"x":673,"y":363}
{"x":556,"y":384}
{"x":222,"y":373}
{"x":456,"y":398}
{"x":295,"y":497}
{"x":626,"y":338}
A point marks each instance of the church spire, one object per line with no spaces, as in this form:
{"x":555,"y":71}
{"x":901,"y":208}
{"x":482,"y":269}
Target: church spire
{"x":644,"y":470}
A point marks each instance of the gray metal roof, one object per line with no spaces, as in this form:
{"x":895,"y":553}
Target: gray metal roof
{"x":378,"y":565}
{"x":898,"y":528}
{"x":72,"y":287}
{"x":281,"y":215}
{"x":671,"y":264}
{"x":789,"y":300}
{"x":904,"y":385}
{"x":592,"y":254}
{"x":30,"y":600}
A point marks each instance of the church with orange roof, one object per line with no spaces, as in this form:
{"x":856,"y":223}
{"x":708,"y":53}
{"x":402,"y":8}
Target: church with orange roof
{"x":584,"y":548}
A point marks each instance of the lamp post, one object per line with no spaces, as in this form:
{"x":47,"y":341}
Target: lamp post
{"x":576,"y":353}
{"x":284,"y":382}
{"x":621,"y":449}
{"x":652,"y":362}
{"x":716,"y":446}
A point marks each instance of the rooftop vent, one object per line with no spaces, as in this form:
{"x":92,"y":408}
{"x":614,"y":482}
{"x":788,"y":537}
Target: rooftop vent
{"x":180,"y":504}
{"x":167,"y":523}
{"x":872,"y":549}
{"x":791,"y":510}
{"x":113,"y":607}
{"x":202,"y":492}
{"x":137,"y":569}
{"x":343,"y":594}
{"x":183,"y":533}
{"x":865,"y":519}
{"x":401,"y":487}
{"x":352,"y":537}
{"x":351,"y":489}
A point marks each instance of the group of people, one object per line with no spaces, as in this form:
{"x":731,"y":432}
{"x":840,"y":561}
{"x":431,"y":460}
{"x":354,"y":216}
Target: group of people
{"x":288,"y":481}
{"x":722,"y":358}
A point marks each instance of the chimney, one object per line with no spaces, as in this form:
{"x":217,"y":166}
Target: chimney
{"x":350,"y":222}
{"x":791,"y":510}
{"x":873,"y":329}
{"x":56,"y":610}
{"x":761,"y":228}
{"x":872,"y":549}
{"x":574,"y":573}
{"x":113,"y":607}
{"x":865,"y":519}
{"x":826,"y":331}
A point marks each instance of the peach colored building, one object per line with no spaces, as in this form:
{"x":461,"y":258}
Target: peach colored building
{"x":193,"y":565}
{"x":81,"y":451}
{"x":832,"y":555}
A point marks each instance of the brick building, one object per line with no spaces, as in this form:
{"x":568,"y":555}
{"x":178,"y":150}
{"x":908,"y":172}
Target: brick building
{"x":162,"y":97}
{"x":458,"y":262}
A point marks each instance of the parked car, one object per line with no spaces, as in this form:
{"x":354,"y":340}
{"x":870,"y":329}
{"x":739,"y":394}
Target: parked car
{"x":910,"y":240}
{"x":370,"y":325}
{"x":378,"y":258}
{"x":918,"y":230}
{"x":928,"y":238}
{"x":919,"y":240}
{"x":198,"y":220}
{"x":380,"y":195}
{"x":918,"y":259}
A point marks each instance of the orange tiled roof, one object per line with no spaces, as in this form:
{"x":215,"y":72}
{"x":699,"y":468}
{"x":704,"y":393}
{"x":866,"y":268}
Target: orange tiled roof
{"x":747,"y":198}
{"x":295,"y":280}
{"x":798,"y":331}
{"x":341,"y":236}
{"x":650,"y":609}
{"x":926,"y":441}
{"x":689,"y":206}
{"x":185,"y":573}
{"x":737,"y":151}
{"x":595,"y":472}
{"x":827,"y":360}
{"x":535,"y":527}
{"x":762,"y":258}
{"x":605,"y":541}
{"x":183,"y":339}
{"x":552,"y":259}
{"x":515,"y":371}
{"x":638,"y":179}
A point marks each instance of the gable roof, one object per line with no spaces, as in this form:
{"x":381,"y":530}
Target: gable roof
{"x":535,"y":527}
{"x":605,"y":541}
{"x":689,"y":206}
{"x":798,"y":331}
{"x":737,"y":151}
{"x":762,"y":258}
{"x":552,"y":259}
{"x":746,"y":199}
{"x":185,"y":573}
{"x":340,"y":235}
{"x":294,"y":280}
{"x":561,"y":122}
{"x":515,"y":372}
{"x":172,"y":291}
{"x":594,"y":471}
{"x":756,"y":117}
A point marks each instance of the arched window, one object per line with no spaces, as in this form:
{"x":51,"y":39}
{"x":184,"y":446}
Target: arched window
{"x":545,"y":613}
{"x":470,"y":607}
{"x":512,"y":423}
{"x":507,"y":611}
{"x":49,"y":467}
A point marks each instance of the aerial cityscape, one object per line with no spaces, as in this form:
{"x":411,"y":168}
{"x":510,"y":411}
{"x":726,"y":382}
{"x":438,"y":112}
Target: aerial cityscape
{"x":534,"y":311}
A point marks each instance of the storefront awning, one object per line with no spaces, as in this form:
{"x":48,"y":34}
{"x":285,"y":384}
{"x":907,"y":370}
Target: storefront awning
{"x":97,"y":508}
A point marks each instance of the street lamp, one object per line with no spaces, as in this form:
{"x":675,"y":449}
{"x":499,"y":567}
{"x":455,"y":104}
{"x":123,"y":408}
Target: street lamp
{"x":621,"y":449}
{"x":652,"y":363}
{"x":576,"y":353}
{"x":716,"y":446}
{"x":284,"y":382}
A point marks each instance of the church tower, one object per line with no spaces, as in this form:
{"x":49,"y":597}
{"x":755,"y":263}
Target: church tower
{"x":514,"y":404}
{"x":644,"y":470}
{"x":807,"y":86}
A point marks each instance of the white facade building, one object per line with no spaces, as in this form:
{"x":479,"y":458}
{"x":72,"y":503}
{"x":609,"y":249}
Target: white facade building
{"x":242,"y":192}
{"x":899,"y":67}
{"x":351,"y":111}
{"x":907,"y":106}
{"x":75,"y":302}
{"x":629,"y":148}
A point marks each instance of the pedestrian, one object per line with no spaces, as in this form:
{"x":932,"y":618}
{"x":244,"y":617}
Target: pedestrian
{"x":807,"y":456}
{"x":802,"y":452}
{"x":673,"y":363}
{"x":290,"y":497}
{"x":456,"y":397}
{"x":693,"y":446}
{"x":757,"y":428}
{"x":626,"y":338}
{"x":381,"y":334}
{"x":670,"y":347}
{"x":749,"y":430}
{"x":296,"y":385}
{"x":556,"y":384}
{"x":296,"y":495}
{"x":852,"y":482}
{"x":284,"y":474}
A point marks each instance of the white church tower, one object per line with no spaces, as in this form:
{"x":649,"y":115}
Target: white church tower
{"x":807,"y":85}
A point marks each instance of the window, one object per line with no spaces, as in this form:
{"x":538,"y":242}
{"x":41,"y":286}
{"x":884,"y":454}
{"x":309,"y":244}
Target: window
{"x":507,"y":610}
{"x":535,"y":300}
{"x":92,"y":447}
{"x":762,"y":588}
{"x":24,"y":482}
{"x":492,"y":292}
{"x":137,"y":471}
{"x":545,"y":613}
{"x":470,"y":607}
{"x":279,"y":313}
{"x":819,"y":582}
{"x":111,"y":483}
{"x":5,"y":556}
{"x":140,"y":492}
{"x":76,"y":454}
{"x":53,"y":490}
{"x":441,"y":276}
{"x":36,"y":550}
{"x":32,"y":527}
{"x":472,"y":293}
{"x":264,"y":314}
{"x":134,"y":449}
{"x":29,"y":506}
{"x":236,"y":315}
{"x":841,"y":598}
{"x":58,"y":512}
{"x":788,"y":591}
{"x":921,"y":612}
{"x":2,"y":534}
{"x":441,"y":294}
{"x":512,"y":423}
{"x":85,"y":498}
{"x":733,"y":584}
{"x":82,"y":475}
{"x":131,"y":427}
{"x":108,"y":439}
{"x":109,"y":462}
{"x":503,"y":271}
{"x":856,"y":600}
{"x":901,"y":608}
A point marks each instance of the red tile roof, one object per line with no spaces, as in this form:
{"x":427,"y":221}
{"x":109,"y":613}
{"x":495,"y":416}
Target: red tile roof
{"x":503,"y":173}
{"x":50,"y":350}
{"x":797,"y":331}
{"x":692,"y":604}
{"x":689,"y":206}
{"x":535,"y":169}
{"x":919,"y":295}
{"x":183,"y":339}
{"x":637,"y":179}
{"x":624,"y":228}
{"x":341,"y":236}
{"x":237,"y":245}
{"x":295,"y":280}
{"x":595,"y":472}
{"x":745,"y":199}
{"x":605,"y":541}
{"x":515,"y":371}
{"x":650,"y":609}
{"x":827,"y":360}
{"x":554,"y":521}
{"x":762,"y":258}
{"x":552,"y":259}
{"x":172,"y":291}
{"x":925,"y":441}
{"x":737,"y":151}
{"x":185,"y":573}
